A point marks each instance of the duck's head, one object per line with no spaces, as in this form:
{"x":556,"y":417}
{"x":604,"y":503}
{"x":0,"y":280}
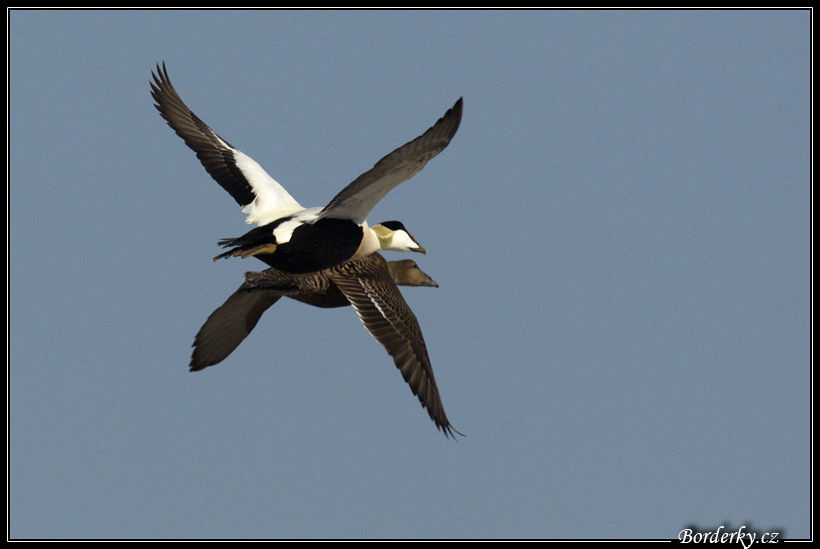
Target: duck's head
{"x":406,"y":272}
{"x":395,"y":238}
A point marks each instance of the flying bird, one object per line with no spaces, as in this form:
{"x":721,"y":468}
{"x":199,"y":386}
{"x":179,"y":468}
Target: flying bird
{"x":369,"y":284}
{"x":321,"y":256}
{"x":289,"y":237}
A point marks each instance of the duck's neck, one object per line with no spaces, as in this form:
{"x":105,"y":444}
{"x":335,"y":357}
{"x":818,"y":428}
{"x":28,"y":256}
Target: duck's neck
{"x":370,"y":243}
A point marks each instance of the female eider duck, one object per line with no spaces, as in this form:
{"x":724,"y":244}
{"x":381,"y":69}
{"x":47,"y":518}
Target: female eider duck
{"x":369,"y":284}
{"x":289,"y":237}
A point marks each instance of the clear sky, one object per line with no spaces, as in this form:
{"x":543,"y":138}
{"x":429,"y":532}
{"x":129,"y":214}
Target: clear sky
{"x":620,"y":230}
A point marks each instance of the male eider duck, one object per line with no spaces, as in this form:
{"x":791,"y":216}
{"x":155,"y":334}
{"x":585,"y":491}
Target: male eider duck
{"x":369,"y":284}
{"x":289,"y":237}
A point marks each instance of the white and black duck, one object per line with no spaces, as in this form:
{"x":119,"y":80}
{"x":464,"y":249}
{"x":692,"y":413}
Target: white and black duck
{"x":290,"y":237}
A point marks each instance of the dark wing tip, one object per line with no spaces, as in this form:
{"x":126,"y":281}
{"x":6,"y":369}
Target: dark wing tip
{"x":450,"y":432}
{"x":161,"y":80}
{"x":457,"y":108}
{"x":449,"y":123}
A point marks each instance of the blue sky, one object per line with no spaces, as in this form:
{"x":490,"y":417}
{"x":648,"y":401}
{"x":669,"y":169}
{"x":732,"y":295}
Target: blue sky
{"x":620,"y":230}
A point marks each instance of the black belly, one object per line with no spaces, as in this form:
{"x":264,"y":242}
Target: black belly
{"x":312,"y":247}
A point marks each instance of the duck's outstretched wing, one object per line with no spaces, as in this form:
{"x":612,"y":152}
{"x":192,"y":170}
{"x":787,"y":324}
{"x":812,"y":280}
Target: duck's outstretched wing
{"x":388,"y":318}
{"x":230,"y":324}
{"x":261,"y":197}
{"x":357,"y":199}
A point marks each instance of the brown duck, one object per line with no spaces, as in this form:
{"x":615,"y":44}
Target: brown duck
{"x":369,"y":284}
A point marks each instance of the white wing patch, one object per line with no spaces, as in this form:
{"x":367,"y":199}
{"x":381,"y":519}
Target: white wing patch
{"x":284,"y":230}
{"x":272,"y":200}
